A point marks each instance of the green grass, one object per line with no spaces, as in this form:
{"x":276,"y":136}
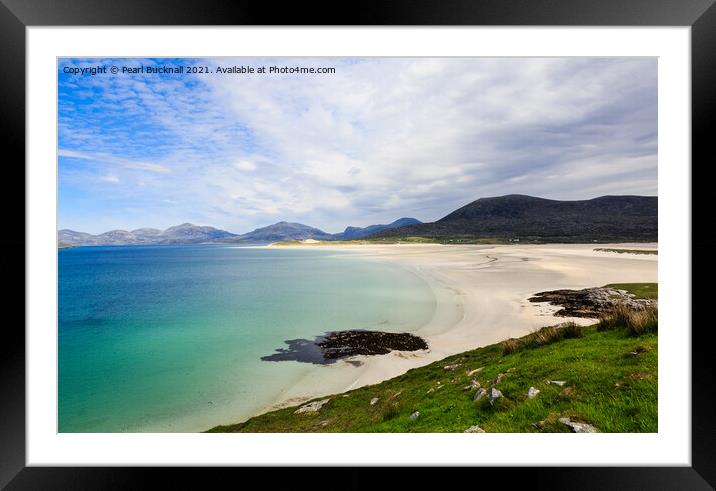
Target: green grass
{"x":627,"y":251}
{"x":605,"y":386}
{"x":640,"y":290}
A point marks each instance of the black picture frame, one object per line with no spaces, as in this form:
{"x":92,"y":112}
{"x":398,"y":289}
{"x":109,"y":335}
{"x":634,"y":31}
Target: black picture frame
{"x":17,"y":15}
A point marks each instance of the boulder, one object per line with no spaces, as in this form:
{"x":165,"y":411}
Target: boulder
{"x":474,"y":384}
{"x":415,"y":415}
{"x":577,"y":427}
{"x":311,"y":407}
{"x":532,"y":393}
{"x":493,"y":395}
{"x":474,"y":429}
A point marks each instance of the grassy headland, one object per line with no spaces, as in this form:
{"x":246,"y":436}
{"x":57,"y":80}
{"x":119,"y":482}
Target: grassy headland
{"x":640,"y":290}
{"x":605,"y":377}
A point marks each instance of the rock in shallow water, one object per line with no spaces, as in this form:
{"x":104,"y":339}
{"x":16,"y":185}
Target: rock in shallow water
{"x":348,"y":343}
{"x":341,"y":344}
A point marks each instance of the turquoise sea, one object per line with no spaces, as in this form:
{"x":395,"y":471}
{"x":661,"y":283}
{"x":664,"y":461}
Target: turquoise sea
{"x":170,"y":338}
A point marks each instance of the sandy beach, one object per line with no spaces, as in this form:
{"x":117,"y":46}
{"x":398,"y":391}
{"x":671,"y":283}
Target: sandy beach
{"x":481,"y":296}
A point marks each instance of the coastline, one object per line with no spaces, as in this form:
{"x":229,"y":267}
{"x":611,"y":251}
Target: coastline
{"x":481,"y":293}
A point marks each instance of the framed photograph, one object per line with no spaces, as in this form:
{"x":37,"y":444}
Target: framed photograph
{"x":428,"y":235}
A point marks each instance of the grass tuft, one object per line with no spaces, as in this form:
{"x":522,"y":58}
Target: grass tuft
{"x":636,"y":322}
{"x":544,"y":336}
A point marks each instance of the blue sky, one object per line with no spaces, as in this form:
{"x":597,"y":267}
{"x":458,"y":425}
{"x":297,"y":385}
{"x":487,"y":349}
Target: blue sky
{"x":379,"y":139}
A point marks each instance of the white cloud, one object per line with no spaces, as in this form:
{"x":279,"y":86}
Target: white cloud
{"x":110,"y":178}
{"x":112,"y":160}
{"x":245,"y":165}
{"x":379,"y":139}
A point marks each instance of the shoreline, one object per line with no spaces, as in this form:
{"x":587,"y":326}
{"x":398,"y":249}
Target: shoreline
{"x":481,"y":298}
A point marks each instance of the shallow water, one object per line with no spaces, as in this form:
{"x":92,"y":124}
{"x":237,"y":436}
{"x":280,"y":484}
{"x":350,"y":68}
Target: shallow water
{"x":165,"y":338}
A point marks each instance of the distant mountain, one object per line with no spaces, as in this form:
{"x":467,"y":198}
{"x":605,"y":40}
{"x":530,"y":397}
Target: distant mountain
{"x":515,"y":216}
{"x":351,"y":233}
{"x":281,"y":231}
{"x":185,"y":233}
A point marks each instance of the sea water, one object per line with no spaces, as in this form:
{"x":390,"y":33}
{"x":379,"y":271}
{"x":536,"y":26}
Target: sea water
{"x":170,"y":338}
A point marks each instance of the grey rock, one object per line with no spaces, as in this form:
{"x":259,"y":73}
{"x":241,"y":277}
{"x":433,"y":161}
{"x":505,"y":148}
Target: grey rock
{"x":473,"y":385}
{"x":493,"y":395}
{"x":373,"y":401}
{"x":311,"y":407}
{"x":578,"y":427}
{"x":532,"y":392}
{"x":474,"y":429}
{"x":415,"y":415}
{"x":557,"y":382}
{"x":479,"y":394}
{"x":473,"y":372}
{"x":452,"y":366}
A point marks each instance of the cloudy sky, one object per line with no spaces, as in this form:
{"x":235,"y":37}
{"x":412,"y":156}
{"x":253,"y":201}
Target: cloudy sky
{"x":379,"y":139}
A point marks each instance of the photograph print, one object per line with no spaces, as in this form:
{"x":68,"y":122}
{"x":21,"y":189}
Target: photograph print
{"x":357,"y":245}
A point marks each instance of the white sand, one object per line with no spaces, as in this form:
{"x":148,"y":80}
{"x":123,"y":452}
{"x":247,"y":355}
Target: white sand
{"x":482,"y":294}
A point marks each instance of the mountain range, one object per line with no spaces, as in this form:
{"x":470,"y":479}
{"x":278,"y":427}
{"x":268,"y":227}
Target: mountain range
{"x":188,"y":233}
{"x":515,"y":216}
{"x":185,"y":233}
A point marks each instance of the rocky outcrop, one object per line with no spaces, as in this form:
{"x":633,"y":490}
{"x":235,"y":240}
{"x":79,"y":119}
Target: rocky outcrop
{"x":349,"y":343}
{"x":591,"y":302}
{"x":335,"y":345}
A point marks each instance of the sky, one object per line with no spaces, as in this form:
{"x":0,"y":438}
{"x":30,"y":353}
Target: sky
{"x":378,"y":139}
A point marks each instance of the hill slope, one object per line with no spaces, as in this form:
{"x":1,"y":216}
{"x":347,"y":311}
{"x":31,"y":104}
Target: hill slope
{"x":603,"y":219}
{"x":352,"y":233}
{"x":282,"y":231}
{"x":603,"y":386}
